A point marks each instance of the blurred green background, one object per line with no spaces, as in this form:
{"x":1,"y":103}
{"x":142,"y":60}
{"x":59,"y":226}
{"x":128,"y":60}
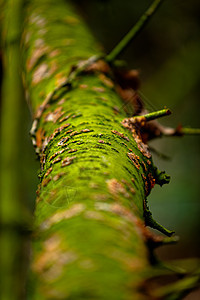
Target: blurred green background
{"x":167,"y":53}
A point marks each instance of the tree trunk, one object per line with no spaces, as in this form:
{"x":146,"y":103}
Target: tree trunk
{"x":13,"y":210}
{"x":90,"y":239}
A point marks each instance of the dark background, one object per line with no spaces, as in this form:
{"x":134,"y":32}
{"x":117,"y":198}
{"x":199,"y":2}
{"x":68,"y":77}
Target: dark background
{"x":167,"y":54}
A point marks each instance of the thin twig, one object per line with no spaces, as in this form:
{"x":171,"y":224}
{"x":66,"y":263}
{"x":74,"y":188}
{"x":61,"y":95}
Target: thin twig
{"x":190,"y":131}
{"x":153,"y":115}
{"x":123,"y":44}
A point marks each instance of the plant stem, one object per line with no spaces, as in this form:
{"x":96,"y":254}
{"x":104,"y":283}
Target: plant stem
{"x":154,"y":115}
{"x":157,"y":114}
{"x":190,"y":131}
{"x":123,"y":44}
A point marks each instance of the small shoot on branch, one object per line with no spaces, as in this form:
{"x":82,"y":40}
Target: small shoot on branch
{"x":188,"y":131}
{"x":153,"y":115}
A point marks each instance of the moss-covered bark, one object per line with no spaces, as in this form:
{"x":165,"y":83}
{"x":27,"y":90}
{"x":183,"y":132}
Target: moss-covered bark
{"x":89,"y":237}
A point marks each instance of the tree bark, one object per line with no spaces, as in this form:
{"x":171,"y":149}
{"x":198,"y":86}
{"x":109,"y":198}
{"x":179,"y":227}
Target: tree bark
{"x":90,"y":239}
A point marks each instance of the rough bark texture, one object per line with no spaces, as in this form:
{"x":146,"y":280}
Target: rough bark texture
{"x":90,"y":241}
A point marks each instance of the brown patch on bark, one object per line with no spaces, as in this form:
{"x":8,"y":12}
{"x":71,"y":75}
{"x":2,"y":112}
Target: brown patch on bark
{"x":94,"y":185}
{"x":58,"y":176}
{"x":76,"y":116}
{"x":86,"y":130}
{"x":61,"y":101}
{"x":55,"y":115}
{"x":116,"y":110}
{"x":72,"y":150}
{"x":63,"y":141}
{"x":57,"y":131}
{"x":64,"y":119}
{"x":146,"y":184}
{"x":83,"y":86}
{"x":48,"y":172}
{"x":54,"y":53}
{"x":37,"y":53}
{"x":98,"y":89}
{"x":129,"y":186}
{"x":133,"y":180}
{"x":99,"y":66}
{"x":56,"y":153}
{"x":101,"y":197}
{"x":56,"y":160}
{"x":121,"y":135}
{"x":135,"y":159}
{"x":149,"y":182}
{"x":60,"y":79}
{"x":51,"y":261}
{"x":136,"y":130}
{"x":101,"y":98}
{"x":68,"y":213}
{"x":74,"y":133}
{"x":144,"y":166}
{"x":115,"y":187}
{"x":106,"y":81}
{"x":42,"y":160}
{"x":45,"y":181}
{"x":68,"y":131}
{"x":67,"y":161}
{"x":40,"y":73}
{"x":40,"y":135}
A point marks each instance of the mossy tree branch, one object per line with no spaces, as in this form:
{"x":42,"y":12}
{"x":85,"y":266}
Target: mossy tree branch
{"x":90,"y":239}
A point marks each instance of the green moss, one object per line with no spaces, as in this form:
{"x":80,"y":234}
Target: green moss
{"x":91,"y":195}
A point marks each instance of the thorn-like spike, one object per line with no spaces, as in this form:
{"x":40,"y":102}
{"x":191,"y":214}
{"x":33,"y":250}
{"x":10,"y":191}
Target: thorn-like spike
{"x":149,"y":221}
{"x":155,"y":240}
{"x":173,"y":268}
{"x":161,"y":177}
{"x":164,"y":241}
